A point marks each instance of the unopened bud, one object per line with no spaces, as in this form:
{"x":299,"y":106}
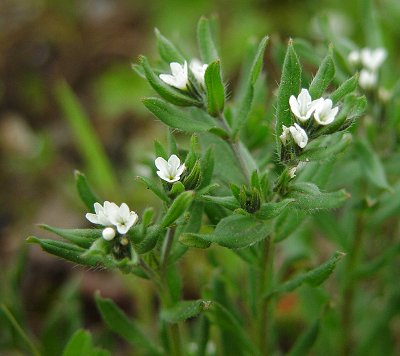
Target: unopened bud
{"x":108,"y":233}
{"x":193,"y":179}
{"x":249,"y":199}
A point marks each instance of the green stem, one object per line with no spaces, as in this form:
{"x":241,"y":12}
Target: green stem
{"x":266,"y":270}
{"x":166,"y":249}
{"x":20,"y":331}
{"x":235,"y":147}
{"x":350,"y":284}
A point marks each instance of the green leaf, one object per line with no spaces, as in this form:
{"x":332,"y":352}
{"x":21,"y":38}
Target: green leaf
{"x":86,"y":138}
{"x":153,"y":234}
{"x":167,"y":50}
{"x":81,"y":344}
{"x":80,"y":237}
{"x":290,"y":84}
{"x":215,"y":89}
{"x":272,"y":210}
{"x":225,"y":320}
{"x":166,"y":91}
{"x":178,"y":119}
{"x":160,"y":150}
{"x":307,"y":196}
{"x":349,"y":86}
{"x":321,"y":81}
{"x":184,"y":310}
{"x":237,"y":231}
{"x":208,"y":50}
{"x":119,"y":323}
{"x":334,"y":145}
{"x":228,"y":202}
{"x":314,"y":277}
{"x":248,"y":95}
{"x":371,"y":164}
{"x":287,"y":223}
{"x":177,"y":208}
{"x":207,"y":167}
{"x":154,"y":188}
{"x":61,"y":249}
{"x":85,"y":192}
{"x":194,"y":240}
{"x":305,"y":342}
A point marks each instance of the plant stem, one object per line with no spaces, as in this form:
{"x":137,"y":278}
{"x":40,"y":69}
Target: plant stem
{"x":350,"y":283}
{"x":166,"y":249}
{"x":266,"y":270}
{"x":235,"y":147}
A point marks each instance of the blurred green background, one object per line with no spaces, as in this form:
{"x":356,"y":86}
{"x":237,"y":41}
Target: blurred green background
{"x":90,"y":44}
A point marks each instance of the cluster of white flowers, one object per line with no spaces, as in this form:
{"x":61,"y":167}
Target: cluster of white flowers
{"x":170,"y":170}
{"x":371,"y":60}
{"x":180,"y":76}
{"x":111,"y":215}
{"x":303,"y":107}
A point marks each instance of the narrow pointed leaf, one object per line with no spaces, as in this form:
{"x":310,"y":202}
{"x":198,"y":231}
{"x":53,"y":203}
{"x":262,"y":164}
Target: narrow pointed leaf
{"x":167,"y":50}
{"x":215,"y":89}
{"x":86,"y":194}
{"x":307,"y":196}
{"x":228,"y":202}
{"x":194,"y":240}
{"x":154,"y":188}
{"x":119,"y":323}
{"x":177,"y":208}
{"x":184,"y":310}
{"x":314,"y":278}
{"x":81,"y":237}
{"x":322,"y":79}
{"x":371,"y":164}
{"x":248,"y":93}
{"x":206,"y":43}
{"x":176,"y":118}
{"x":289,"y":85}
{"x":271,"y":210}
{"x":349,"y":86}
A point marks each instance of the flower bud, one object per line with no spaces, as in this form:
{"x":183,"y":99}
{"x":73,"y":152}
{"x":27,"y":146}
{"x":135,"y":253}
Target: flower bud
{"x":249,"y":199}
{"x":108,"y":233}
{"x":193,"y":179}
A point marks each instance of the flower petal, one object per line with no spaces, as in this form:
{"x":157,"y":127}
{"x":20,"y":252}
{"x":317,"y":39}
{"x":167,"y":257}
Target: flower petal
{"x":161,"y":164}
{"x":174,"y":162}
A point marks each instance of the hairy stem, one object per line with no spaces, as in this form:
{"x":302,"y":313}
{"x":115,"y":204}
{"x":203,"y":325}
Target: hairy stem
{"x":350,"y":283}
{"x":166,"y":249}
{"x":266,"y":270}
{"x":235,"y":147}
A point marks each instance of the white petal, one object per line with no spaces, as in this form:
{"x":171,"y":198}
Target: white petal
{"x":169,"y":79}
{"x":304,"y":98}
{"x":176,"y":69}
{"x":124,"y":211}
{"x":92,"y":218}
{"x":180,"y":170}
{"x":161,"y":164}
{"x":98,"y":207}
{"x":122,"y":228}
{"x":294,"y":106}
{"x":174,"y":162}
{"x":163,"y":176}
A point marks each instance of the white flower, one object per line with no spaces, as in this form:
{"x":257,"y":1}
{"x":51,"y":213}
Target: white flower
{"x":354,"y":57}
{"x":179,"y":77}
{"x":113,"y":215}
{"x":292,"y":172}
{"x":122,"y":218}
{"x":303,"y":106}
{"x":324,"y":113}
{"x":101,"y":216}
{"x":285,"y":134}
{"x":108,"y":233}
{"x":373,"y":59}
{"x":199,"y":70}
{"x":367,"y":79}
{"x":299,"y":135}
{"x":169,"y":171}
